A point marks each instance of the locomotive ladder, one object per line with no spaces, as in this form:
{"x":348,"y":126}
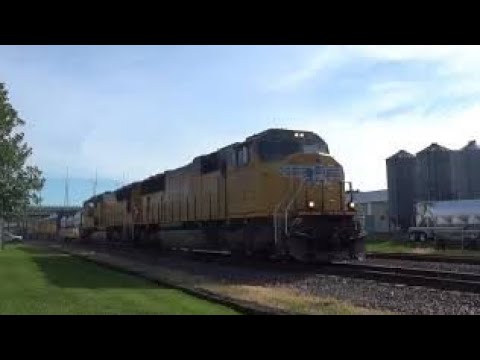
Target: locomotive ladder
{"x":301,"y":186}
{"x":283,"y":207}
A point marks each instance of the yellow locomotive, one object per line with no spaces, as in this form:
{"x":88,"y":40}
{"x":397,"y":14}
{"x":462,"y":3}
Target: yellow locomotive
{"x":69,"y":226}
{"x":44,"y":229}
{"x":279,"y":193}
{"x":62,"y":225}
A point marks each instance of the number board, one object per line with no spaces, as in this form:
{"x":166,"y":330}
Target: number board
{"x":315,"y":173}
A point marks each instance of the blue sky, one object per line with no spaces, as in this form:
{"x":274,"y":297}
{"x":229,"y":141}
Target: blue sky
{"x":131,"y":111}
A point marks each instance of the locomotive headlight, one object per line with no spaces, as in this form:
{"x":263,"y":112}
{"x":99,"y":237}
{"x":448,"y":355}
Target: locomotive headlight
{"x":311,"y":204}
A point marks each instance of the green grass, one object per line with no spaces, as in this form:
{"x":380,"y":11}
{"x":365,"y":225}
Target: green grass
{"x":396,"y":246}
{"x":40,"y":282}
{"x":386,"y":245}
{"x":290,"y":300}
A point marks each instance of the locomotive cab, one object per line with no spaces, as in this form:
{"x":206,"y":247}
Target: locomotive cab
{"x":313,"y":219}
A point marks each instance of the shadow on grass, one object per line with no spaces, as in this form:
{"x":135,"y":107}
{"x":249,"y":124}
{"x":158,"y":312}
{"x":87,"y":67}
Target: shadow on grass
{"x":67,"y":271}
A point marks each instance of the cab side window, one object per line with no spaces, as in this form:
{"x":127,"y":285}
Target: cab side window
{"x":243,"y":156}
{"x":148,"y":208}
{"x":246,"y":155}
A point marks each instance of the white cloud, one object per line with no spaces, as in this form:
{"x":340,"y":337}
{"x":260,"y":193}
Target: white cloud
{"x":362,"y":148}
{"x":452,"y":60}
{"x":116,"y":155}
{"x":361,"y":138}
{"x":408,"y":52}
{"x":326,"y":59}
{"x":109,"y":117}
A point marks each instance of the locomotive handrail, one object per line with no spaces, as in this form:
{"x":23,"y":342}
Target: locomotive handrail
{"x":275,"y":212}
{"x":291,"y":203}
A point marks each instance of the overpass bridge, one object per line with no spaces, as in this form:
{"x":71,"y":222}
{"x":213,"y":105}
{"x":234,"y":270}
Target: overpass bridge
{"x":33,"y":213}
{"x":46,"y":211}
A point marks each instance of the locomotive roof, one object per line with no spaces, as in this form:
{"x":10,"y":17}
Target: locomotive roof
{"x":280,"y":132}
{"x":97,"y":198}
{"x":94,"y":199}
{"x":122,"y":192}
{"x":153,"y":183}
{"x":154,"y":180}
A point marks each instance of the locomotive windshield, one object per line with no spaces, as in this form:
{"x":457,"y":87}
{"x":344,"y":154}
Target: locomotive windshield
{"x":275,"y":150}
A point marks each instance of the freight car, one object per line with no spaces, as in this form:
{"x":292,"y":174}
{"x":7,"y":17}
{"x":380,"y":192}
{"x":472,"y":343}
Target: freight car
{"x":278,"y":193}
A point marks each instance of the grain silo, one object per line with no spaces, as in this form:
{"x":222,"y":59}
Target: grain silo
{"x":459,"y":182}
{"x":433,"y":174}
{"x":401,"y":188}
{"x":467,"y":171}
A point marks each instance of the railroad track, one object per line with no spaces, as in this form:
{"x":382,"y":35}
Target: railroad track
{"x":426,"y":257}
{"x":446,"y":280}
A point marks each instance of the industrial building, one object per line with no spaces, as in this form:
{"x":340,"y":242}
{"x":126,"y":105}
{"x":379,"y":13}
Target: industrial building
{"x":435,"y":173}
{"x":372,"y":210}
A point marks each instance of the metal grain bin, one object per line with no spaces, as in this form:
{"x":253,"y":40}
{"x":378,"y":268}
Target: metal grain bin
{"x":467,"y":171}
{"x":433,"y":174}
{"x":401,"y":189}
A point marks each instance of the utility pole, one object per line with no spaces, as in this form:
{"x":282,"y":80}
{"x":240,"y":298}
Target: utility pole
{"x":66,"y":200}
{"x":95,"y":183}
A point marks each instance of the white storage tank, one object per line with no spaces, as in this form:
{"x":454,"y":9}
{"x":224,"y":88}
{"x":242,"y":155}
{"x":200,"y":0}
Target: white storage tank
{"x":459,"y":220}
{"x":474,"y":220}
{"x":442,"y":221}
{"x":454,"y":213}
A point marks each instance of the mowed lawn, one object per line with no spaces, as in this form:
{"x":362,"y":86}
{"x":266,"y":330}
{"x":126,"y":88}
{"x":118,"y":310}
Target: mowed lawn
{"x":382,"y":245}
{"x":42,"y":282}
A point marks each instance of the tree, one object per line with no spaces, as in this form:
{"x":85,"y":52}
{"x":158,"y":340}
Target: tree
{"x":19,"y":182}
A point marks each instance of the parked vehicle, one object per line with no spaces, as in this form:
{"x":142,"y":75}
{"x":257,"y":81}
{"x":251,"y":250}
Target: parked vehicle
{"x":454,"y":221}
